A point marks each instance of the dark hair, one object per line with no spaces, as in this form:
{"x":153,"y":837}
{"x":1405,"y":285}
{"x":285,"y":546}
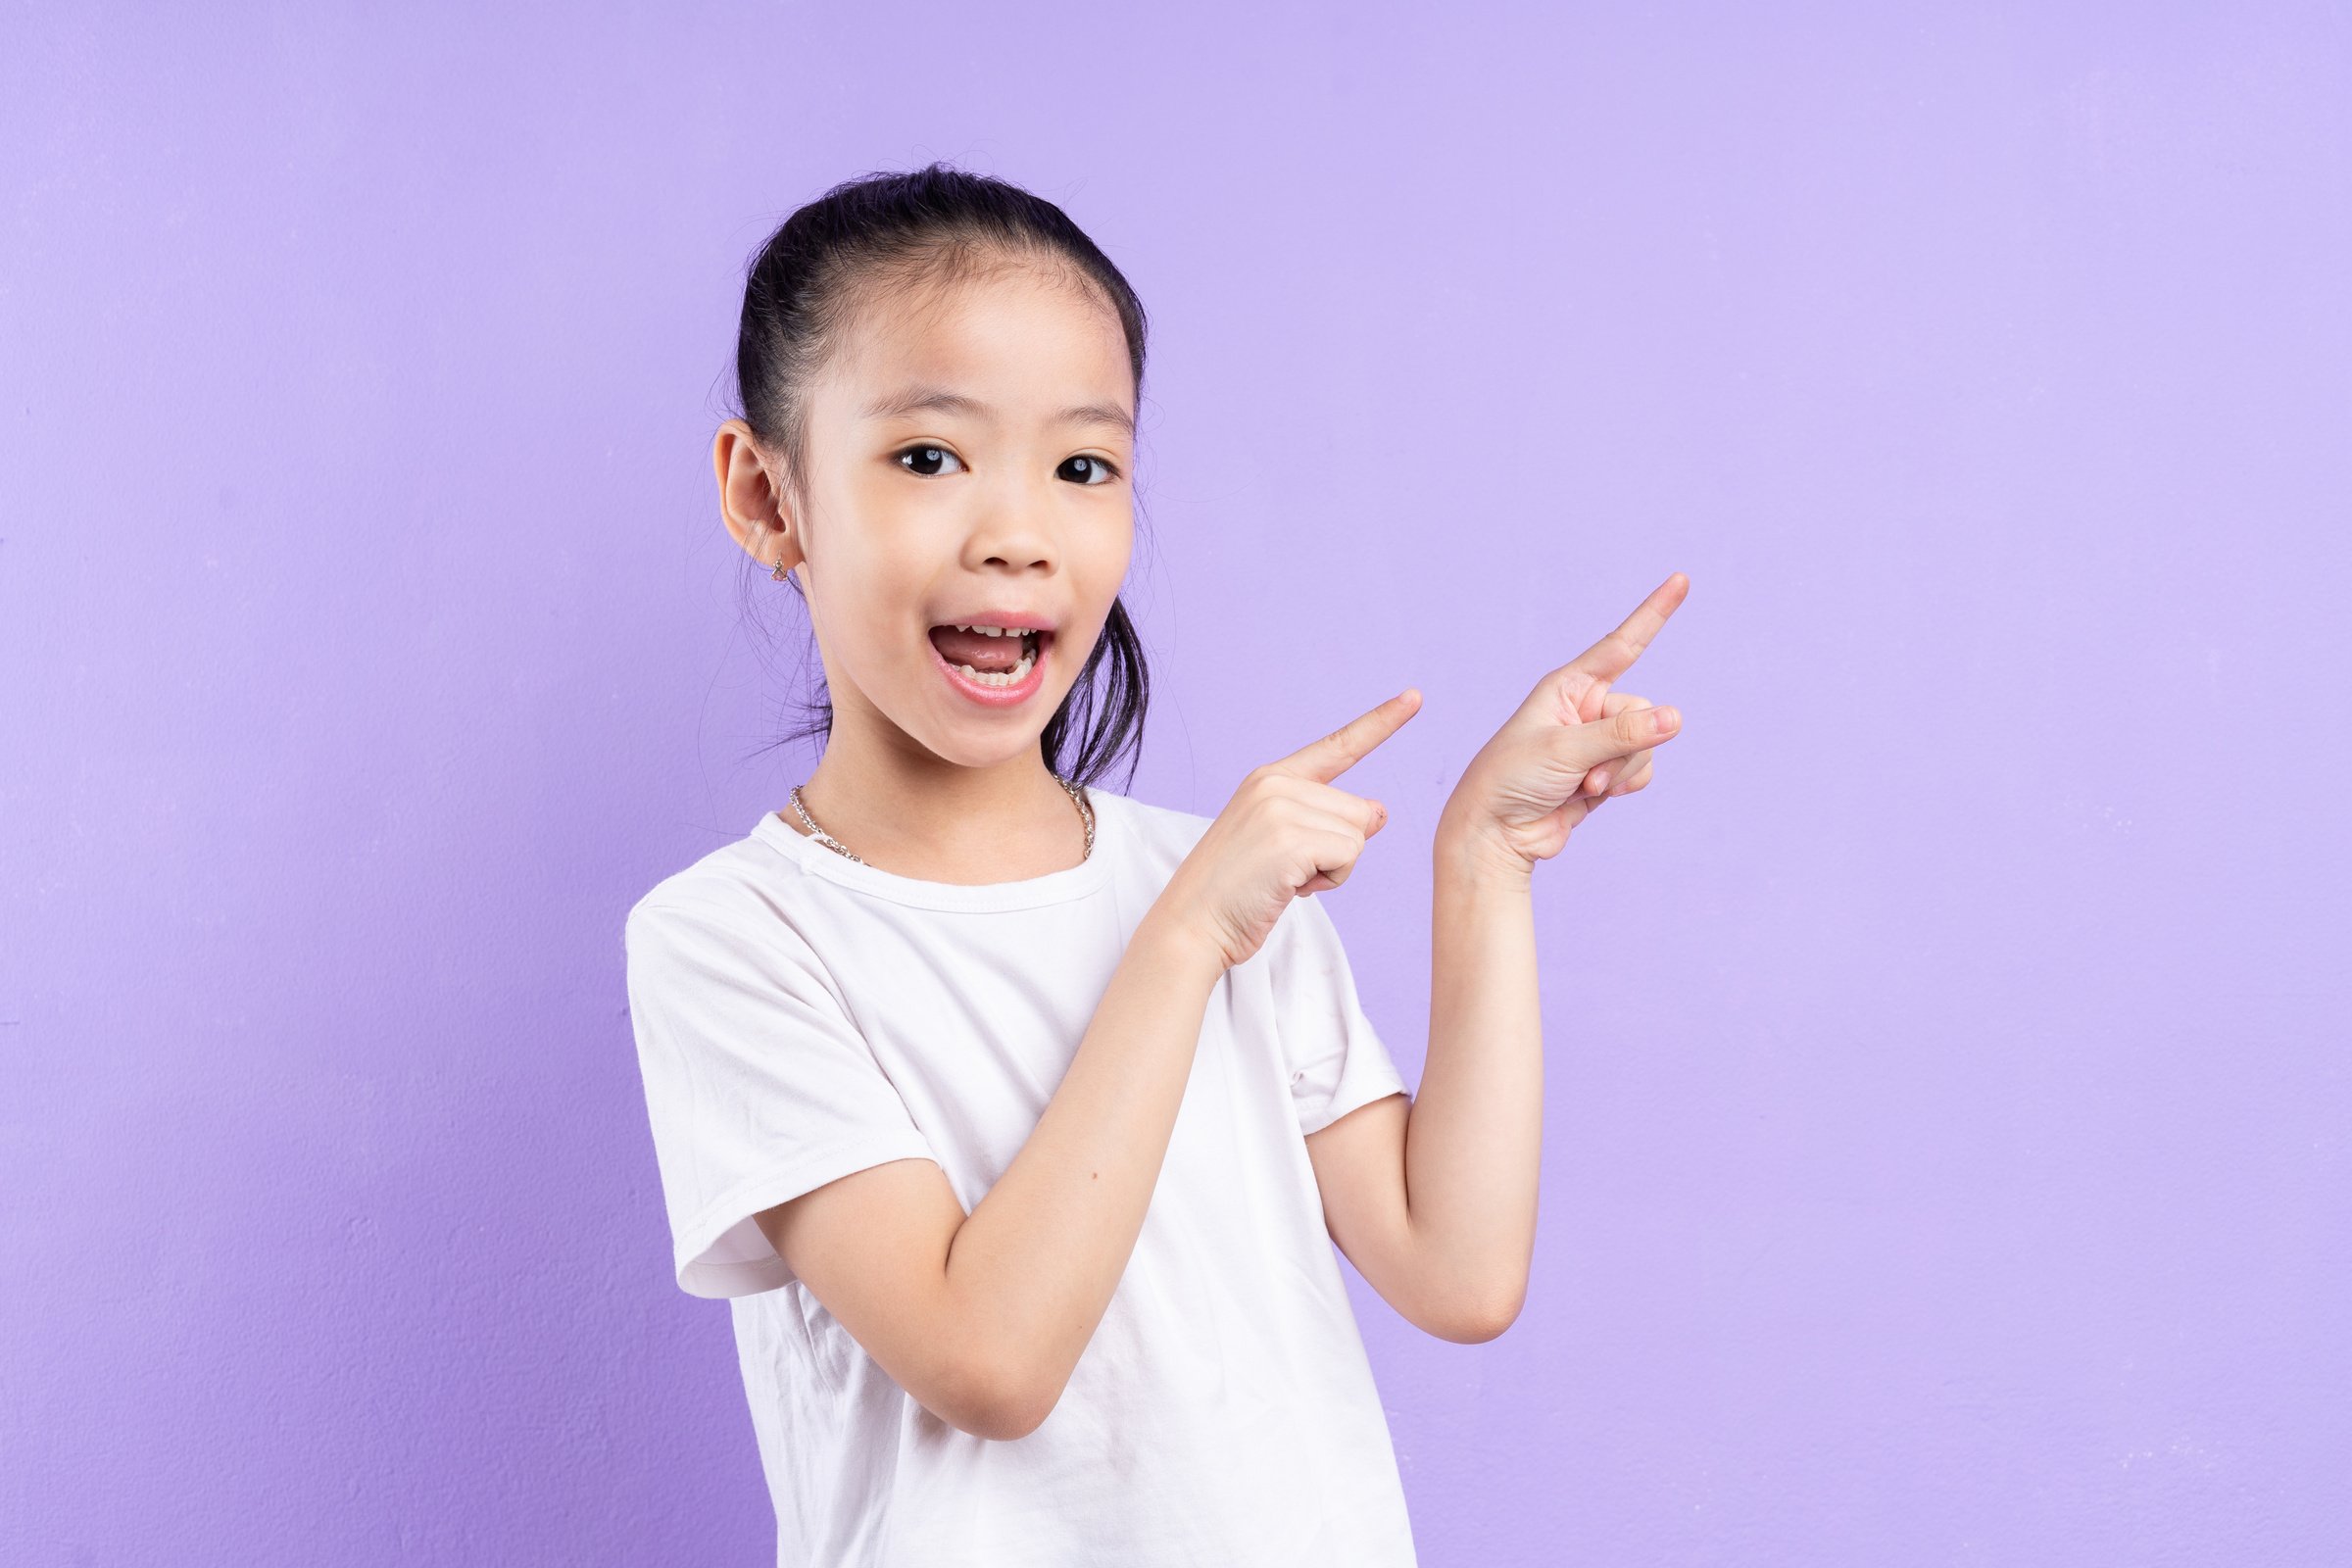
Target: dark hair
{"x":926,"y":230}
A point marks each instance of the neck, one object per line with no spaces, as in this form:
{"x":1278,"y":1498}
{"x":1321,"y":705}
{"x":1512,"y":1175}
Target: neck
{"x":902,"y":810}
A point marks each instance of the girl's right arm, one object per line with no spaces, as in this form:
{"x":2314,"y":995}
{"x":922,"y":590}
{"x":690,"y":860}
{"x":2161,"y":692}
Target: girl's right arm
{"x":982,"y":1318}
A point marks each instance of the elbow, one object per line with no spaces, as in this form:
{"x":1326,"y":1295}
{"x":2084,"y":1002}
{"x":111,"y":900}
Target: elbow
{"x":1490,"y":1326}
{"x":1012,"y":1417}
{"x":1477,"y":1319}
{"x":1003,"y":1405}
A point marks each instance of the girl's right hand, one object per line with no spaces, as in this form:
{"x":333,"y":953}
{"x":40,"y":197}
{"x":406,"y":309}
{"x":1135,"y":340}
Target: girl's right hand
{"x":1285,"y":832}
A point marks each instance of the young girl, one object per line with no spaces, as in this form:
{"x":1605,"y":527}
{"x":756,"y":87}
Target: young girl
{"x":1015,"y":1117}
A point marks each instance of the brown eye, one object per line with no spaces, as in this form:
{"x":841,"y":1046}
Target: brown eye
{"x":1090,"y":470}
{"x":927,"y":460}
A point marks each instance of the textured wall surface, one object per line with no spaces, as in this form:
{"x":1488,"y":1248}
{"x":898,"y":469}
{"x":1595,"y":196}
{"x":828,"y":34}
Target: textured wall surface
{"x":1947,"y":1092}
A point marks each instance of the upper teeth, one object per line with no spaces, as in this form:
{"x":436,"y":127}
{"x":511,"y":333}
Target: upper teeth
{"x":997,"y":631}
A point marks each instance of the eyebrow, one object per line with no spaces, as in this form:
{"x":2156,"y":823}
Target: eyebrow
{"x":915,"y":399}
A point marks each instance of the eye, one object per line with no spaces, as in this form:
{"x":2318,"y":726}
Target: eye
{"x":1091,"y":470}
{"x":926,"y":461}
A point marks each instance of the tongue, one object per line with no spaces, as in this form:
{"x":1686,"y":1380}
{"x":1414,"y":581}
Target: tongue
{"x":976,"y":648}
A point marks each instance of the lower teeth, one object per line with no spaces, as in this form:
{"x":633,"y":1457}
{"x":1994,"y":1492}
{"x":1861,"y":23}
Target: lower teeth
{"x":1003,"y":678}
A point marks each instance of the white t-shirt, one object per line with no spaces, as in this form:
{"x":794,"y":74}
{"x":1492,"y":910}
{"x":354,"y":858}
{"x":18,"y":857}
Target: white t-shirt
{"x":800,"y":1016}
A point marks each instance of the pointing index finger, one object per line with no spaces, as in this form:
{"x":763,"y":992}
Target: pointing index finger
{"x":1614,"y":654}
{"x":1327,"y":758}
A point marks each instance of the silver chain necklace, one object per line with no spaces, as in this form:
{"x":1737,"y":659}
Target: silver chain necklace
{"x":1086,"y":814}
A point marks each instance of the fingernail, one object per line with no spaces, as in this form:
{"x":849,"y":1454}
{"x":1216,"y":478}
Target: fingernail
{"x":1662,"y":719}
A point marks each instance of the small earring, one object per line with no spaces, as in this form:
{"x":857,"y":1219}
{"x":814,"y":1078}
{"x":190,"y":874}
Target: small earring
{"x":780,"y":574}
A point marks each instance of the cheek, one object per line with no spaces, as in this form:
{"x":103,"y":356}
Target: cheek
{"x":861,"y":619}
{"x":1102,"y":562}
{"x":1107,"y":555}
{"x":877,"y":560}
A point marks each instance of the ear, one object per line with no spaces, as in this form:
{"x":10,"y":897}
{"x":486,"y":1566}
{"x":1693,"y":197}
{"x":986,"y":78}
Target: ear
{"x":750,"y":500}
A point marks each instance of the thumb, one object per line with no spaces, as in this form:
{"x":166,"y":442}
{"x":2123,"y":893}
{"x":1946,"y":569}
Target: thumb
{"x":1584,"y":746}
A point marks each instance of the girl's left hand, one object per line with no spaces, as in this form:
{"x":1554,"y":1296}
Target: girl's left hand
{"x":1574,"y":743}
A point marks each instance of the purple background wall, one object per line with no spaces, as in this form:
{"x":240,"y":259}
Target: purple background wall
{"x":1947,"y":1089}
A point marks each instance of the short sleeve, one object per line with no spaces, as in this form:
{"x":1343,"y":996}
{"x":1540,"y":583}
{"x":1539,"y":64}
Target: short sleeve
{"x":758,"y":1086}
{"x":1335,"y":1058}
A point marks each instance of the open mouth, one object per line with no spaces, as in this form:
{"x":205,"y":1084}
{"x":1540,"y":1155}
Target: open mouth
{"x":998,"y":658}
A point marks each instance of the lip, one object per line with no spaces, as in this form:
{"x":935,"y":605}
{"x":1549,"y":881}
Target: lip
{"x":998,"y":696}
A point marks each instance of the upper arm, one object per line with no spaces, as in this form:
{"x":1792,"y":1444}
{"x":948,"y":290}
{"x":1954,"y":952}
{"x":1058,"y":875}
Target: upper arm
{"x":872,"y":1247}
{"x":785,"y":1150}
{"x":1360,"y":1166}
{"x":1353,"y":1109}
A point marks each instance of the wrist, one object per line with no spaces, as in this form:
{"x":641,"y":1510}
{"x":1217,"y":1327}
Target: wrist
{"x":1477,"y":852}
{"x":1176,"y":943}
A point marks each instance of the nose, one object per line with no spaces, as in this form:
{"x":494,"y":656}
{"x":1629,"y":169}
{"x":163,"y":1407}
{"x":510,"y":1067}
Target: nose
{"x":1013,"y":527}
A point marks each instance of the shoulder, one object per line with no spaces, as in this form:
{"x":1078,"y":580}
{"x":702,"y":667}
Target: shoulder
{"x":741,"y":890}
{"x":710,"y":944}
{"x":1159,"y":834}
{"x":1148,"y":818}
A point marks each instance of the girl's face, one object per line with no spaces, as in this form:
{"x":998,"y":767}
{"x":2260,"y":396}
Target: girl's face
{"x":969,"y":460}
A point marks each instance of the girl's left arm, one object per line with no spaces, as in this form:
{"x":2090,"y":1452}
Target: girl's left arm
{"x":1434,"y":1198}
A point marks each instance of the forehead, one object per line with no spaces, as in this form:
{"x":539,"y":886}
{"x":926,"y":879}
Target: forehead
{"x":1014,"y":336}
